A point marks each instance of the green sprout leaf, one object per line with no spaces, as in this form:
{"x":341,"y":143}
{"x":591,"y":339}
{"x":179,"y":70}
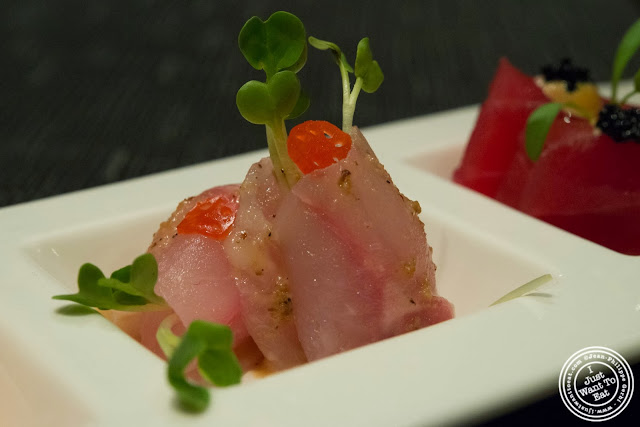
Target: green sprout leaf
{"x":538,"y":125}
{"x":279,"y":47}
{"x":338,"y":55}
{"x":626,"y":49}
{"x":373,"y":79}
{"x":367,"y":71}
{"x":129,"y":289}
{"x":524,"y":289}
{"x":301,"y":106}
{"x":275,"y":44}
{"x":366,"y":68}
{"x":211,"y":344}
{"x":301,"y":61}
{"x":266,"y":103}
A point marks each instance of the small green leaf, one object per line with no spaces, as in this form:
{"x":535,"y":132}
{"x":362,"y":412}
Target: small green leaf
{"x":284,"y":89}
{"x":89,"y":293}
{"x":636,"y":81}
{"x":373,"y":79}
{"x":626,"y":49}
{"x":130,"y":288}
{"x":220,"y":367}
{"x":275,"y":44}
{"x":254,"y":103}
{"x":324,"y":45}
{"x":366,"y":68}
{"x":364,"y":58}
{"x":144,"y":275}
{"x":263,"y":103}
{"x":123,"y":274}
{"x":124,"y":287}
{"x":338,"y":55}
{"x":524,"y":289}
{"x":252,"y":42}
{"x":211,"y":344}
{"x":538,"y":125}
{"x":301,"y":61}
{"x":301,"y":106}
{"x":192,"y":397}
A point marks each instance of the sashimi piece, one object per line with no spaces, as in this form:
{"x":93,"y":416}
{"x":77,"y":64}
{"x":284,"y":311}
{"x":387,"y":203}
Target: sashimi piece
{"x":359,"y":266}
{"x":194,"y":275}
{"x":262,"y":280}
{"x":583,"y":182}
{"x":493,"y":143}
{"x":196,"y":280}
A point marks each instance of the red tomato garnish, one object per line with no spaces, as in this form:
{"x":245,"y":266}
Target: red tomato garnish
{"x":317,"y":144}
{"x":212,"y":218}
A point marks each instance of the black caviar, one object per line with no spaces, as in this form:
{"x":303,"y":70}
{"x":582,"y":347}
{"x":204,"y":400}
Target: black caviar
{"x":620,"y":124}
{"x":566,"y":71}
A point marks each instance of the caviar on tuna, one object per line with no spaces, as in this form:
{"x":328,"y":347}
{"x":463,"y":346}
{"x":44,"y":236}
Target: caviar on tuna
{"x":621,"y":124}
{"x":567,"y":72}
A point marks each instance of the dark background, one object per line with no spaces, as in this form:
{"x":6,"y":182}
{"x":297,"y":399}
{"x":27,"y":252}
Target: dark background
{"x":93,"y":92}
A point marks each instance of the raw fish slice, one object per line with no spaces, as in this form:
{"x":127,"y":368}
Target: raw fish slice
{"x":195,"y":278}
{"x":583,"y":182}
{"x":261,"y":277}
{"x":492,"y":146}
{"x":359,"y":266}
{"x":194,"y":275}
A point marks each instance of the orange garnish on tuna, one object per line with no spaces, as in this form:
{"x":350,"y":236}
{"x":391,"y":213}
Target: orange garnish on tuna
{"x":212,"y":218}
{"x":316,"y":144}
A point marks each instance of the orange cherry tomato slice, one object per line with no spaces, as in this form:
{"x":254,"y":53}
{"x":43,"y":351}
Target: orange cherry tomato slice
{"x":316,"y":144}
{"x":212,"y":218}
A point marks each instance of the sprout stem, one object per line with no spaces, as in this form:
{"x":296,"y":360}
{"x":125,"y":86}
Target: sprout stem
{"x":287,"y":173}
{"x":524,"y":289}
{"x":349,"y":107}
{"x":167,"y":340}
{"x":629,"y":95}
{"x":346,"y":89}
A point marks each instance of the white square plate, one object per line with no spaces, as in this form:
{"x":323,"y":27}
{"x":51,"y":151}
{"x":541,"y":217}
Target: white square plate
{"x":76,"y":370}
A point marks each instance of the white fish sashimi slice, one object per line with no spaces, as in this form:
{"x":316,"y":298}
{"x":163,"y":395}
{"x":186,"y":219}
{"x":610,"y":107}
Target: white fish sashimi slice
{"x":194,"y":275}
{"x":359,"y":265}
{"x":336,"y":303}
{"x":196,"y":280}
{"x":261,"y":278}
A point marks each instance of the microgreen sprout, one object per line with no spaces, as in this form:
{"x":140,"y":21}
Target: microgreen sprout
{"x":525,"y":289}
{"x":368,"y":74}
{"x":636,"y":88}
{"x":130,"y":288}
{"x":628,"y":46}
{"x":278,"y":46}
{"x":211,"y":345}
